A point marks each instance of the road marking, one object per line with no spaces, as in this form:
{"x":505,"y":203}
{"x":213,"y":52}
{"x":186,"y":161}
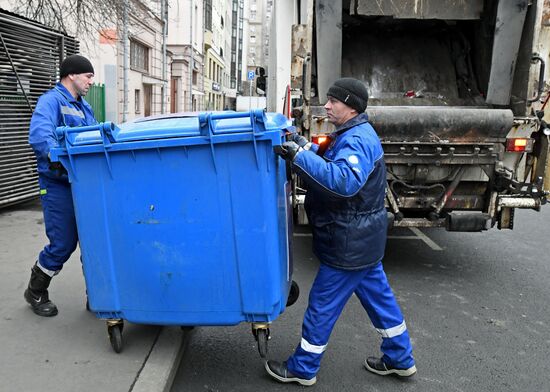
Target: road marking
{"x":427,"y":240}
{"x":419,"y":236}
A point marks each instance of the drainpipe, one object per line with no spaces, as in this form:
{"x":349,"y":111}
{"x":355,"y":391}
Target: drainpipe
{"x":163,"y":9}
{"x":125,"y":55}
{"x":191,"y":60}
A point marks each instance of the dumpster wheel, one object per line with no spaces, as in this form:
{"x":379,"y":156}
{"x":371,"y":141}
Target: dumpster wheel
{"x":261,"y":334}
{"x":293,"y":294}
{"x":114,"y":329}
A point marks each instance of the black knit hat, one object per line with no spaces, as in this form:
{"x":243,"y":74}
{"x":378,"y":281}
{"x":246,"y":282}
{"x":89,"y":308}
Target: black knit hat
{"x":350,"y":91}
{"x":75,"y":64}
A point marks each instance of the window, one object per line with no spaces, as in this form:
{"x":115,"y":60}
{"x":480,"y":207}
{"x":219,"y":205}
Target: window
{"x":137,"y":101}
{"x":252,"y":38}
{"x":208,"y":15}
{"x":139,"y":56}
{"x":253,"y":15}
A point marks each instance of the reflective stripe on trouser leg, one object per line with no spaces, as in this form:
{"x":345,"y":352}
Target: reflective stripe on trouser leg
{"x":377,"y":298}
{"x":328,"y":296}
{"x":60,"y":223}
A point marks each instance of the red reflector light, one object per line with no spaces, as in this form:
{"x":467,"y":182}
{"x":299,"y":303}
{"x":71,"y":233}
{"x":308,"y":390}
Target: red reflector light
{"x":519,"y":145}
{"x":319,"y":139}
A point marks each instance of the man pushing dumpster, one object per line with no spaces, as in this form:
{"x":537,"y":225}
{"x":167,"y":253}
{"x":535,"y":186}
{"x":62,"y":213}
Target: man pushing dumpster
{"x":62,"y":105}
{"x":346,"y":181}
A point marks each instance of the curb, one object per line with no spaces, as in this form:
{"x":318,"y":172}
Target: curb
{"x":162,"y":363}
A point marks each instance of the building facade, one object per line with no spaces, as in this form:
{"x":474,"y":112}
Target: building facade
{"x":256,"y":19}
{"x":145,"y":79}
{"x":214,"y":45}
{"x":237,"y":38}
{"x":135,"y":86}
{"x":257,"y":42}
{"x":185,"y":43}
{"x":190,"y":55}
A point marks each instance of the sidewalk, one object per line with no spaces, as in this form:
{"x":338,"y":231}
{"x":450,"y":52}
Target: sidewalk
{"x":71,"y":351}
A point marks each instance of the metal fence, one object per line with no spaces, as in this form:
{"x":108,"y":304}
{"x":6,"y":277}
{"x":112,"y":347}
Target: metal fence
{"x":96,"y":99}
{"x":30,"y":54}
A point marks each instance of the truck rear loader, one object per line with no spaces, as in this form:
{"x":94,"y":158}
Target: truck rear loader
{"x":456,"y":91}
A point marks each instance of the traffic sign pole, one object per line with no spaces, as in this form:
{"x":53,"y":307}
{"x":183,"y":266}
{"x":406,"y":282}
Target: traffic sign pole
{"x":251,"y":75}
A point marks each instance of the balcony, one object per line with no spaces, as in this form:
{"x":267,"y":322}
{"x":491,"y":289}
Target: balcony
{"x":208,"y":37}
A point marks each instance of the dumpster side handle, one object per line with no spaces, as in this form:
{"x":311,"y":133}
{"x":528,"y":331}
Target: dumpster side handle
{"x":257,"y":123}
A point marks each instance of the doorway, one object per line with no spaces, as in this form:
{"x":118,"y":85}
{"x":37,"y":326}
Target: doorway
{"x":147,"y":98}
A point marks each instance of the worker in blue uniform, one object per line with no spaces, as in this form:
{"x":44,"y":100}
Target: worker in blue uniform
{"x":346,"y":181}
{"x":62,"y":105}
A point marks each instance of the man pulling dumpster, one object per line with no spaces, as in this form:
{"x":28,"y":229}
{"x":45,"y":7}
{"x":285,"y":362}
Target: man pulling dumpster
{"x":62,"y":105}
{"x":345,"y":180}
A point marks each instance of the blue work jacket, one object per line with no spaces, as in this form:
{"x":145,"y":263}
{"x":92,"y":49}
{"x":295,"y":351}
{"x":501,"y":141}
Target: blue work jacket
{"x":56,"y":107}
{"x":346,"y":188}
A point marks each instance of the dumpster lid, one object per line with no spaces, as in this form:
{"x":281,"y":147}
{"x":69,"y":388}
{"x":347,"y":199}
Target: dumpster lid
{"x":184,"y":125}
{"x":158,"y":128}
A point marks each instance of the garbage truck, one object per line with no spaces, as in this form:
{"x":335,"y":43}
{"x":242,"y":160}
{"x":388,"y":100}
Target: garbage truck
{"x":456,"y":95}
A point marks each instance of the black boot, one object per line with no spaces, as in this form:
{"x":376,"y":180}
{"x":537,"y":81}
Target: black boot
{"x":37,"y":293}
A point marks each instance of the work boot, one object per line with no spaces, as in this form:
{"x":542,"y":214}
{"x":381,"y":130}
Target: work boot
{"x":378,"y":366}
{"x":37,"y":293}
{"x":280,"y":372}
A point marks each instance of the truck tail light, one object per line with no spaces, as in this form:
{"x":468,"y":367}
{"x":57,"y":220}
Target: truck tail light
{"x":319,"y":139}
{"x":519,"y":145}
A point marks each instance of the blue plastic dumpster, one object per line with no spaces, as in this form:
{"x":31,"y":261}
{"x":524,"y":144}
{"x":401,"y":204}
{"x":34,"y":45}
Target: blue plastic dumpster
{"x":182,"y":220}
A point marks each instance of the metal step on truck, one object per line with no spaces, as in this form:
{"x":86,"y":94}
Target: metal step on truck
{"x":457,"y":97}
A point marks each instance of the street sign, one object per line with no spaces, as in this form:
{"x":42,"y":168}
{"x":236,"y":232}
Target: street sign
{"x":251,"y":75}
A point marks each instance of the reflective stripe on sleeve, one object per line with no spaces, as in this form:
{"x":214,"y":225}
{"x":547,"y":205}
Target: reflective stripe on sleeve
{"x":392,"y":332}
{"x":311,"y":348}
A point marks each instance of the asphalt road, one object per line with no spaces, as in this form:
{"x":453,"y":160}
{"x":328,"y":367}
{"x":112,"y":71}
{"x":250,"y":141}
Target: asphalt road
{"x":475,"y":305}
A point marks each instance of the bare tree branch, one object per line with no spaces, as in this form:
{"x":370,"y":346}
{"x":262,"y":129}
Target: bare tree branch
{"x":84,"y":18}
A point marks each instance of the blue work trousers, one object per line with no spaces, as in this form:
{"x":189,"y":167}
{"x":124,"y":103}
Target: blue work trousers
{"x":329,"y":294}
{"x":60,"y":223}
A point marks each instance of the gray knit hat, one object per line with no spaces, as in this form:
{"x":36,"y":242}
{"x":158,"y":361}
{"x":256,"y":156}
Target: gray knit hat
{"x":75,"y":64}
{"x":350,"y":91}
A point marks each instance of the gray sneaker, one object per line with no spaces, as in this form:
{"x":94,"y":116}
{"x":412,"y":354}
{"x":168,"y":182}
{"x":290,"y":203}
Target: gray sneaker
{"x":378,"y":366}
{"x":279,"y":372}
